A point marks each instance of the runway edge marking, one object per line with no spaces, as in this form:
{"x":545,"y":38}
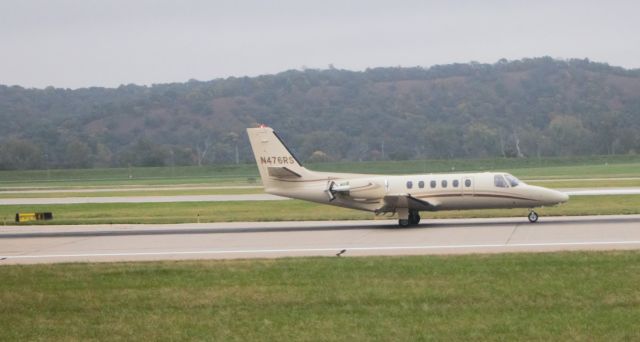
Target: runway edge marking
{"x":327,"y":249}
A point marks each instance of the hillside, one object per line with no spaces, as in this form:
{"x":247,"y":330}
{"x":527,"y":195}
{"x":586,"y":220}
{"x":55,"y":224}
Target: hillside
{"x":530,"y":107}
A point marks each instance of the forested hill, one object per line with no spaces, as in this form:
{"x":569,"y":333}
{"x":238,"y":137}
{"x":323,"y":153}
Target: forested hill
{"x":528,"y":107}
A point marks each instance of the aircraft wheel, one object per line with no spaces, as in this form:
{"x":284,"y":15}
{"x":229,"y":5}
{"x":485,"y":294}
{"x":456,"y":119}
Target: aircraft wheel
{"x":414,"y":217}
{"x":533,"y":217}
{"x":403,"y":223}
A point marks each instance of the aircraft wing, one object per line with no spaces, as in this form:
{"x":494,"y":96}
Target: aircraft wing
{"x":392,"y":202}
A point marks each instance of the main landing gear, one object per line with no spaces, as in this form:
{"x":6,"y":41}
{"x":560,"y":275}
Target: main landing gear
{"x":533,"y":217}
{"x":408,"y":218}
{"x":414,"y":217}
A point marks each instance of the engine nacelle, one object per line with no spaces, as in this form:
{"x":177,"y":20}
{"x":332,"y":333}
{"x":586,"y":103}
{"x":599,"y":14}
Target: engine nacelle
{"x":356,"y":188}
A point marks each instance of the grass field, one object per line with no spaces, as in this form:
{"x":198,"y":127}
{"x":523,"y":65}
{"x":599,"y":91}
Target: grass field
{"x":507,"y":297}
{"x":571,"y":167}
{"x":293,"y":210}
{"x":243,"y":174}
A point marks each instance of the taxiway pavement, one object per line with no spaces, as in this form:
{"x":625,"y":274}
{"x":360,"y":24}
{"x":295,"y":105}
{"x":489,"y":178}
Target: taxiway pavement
{"x":94,"y":243}
{"x":90,"y":189}
{"x":140,"y":199}
{"x":246,"y":197}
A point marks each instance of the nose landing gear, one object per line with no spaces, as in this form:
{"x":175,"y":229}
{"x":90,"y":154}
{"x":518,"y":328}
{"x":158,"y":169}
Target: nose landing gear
{"x":533,"y":217}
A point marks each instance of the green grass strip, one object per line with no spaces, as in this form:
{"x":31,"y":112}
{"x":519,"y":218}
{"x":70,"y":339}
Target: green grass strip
{"x":247,"y":174}
{"x":506,"y":297}
{"x":185,"y":212}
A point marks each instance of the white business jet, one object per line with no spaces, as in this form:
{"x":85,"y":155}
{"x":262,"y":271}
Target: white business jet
{"x":407,"y":195}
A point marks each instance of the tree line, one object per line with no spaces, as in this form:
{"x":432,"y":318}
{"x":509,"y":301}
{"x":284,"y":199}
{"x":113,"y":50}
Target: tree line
{"x":523,"y":108}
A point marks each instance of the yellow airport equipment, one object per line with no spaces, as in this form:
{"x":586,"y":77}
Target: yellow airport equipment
{"x":26,"y":217}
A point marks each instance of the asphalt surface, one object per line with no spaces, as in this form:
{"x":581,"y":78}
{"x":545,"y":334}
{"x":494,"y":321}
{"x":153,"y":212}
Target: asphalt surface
{"x":140,"y":199}
{"x":29,"y":190}
{"x":246,"y":197}
{"x":601,"y":191}
{"x":53,"y":244}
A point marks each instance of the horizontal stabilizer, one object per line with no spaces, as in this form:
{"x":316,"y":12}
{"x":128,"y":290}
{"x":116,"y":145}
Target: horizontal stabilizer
{"x":282,"y":172}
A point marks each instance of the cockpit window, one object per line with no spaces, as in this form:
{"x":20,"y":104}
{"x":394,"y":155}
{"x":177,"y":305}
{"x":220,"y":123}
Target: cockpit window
{"x":499,"y":181}
{"x":513,"y":181}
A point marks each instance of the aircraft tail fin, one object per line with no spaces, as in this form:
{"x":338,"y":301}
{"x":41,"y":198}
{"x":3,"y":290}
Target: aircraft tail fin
{"x":275,"y":162}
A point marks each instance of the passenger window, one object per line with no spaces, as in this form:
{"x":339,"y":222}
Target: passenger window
{"x":409,"y":184}
{"x":455,"y":183}
{"x":444,"y":183}
{"x":433,"y":184}
{"x":421,"y":184}
{"x":467,"y":182}
{"x":499,"y":181}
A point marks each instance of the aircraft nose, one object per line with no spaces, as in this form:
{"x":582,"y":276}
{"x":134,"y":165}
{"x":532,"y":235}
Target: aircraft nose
{"x":559,"y":197}
{"x":563,"y":197}
{"x":551,"y":197}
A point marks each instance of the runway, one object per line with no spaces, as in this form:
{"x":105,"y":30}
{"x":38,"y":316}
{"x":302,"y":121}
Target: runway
{"x":601,"y":191}
{"x":246,"y":197}
{"x":140,"y":199}
{"x":98,"y":243}
{"x":89,"y":189}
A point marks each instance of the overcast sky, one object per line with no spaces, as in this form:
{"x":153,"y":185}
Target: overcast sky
{"x":82,"y":43}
